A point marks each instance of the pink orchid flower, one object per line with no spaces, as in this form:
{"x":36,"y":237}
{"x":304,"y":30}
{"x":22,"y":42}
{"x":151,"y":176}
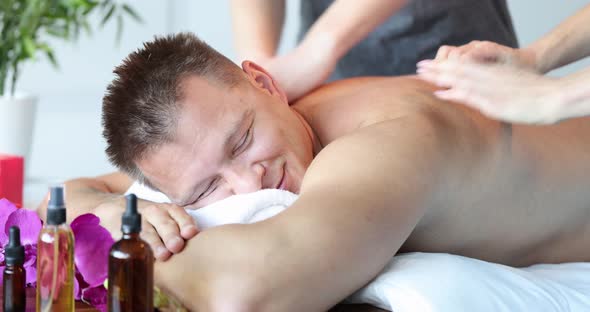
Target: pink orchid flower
{"x":91,"y":250}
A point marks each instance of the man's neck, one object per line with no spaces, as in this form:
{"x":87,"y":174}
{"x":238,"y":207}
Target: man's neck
{"x":316,"y":144}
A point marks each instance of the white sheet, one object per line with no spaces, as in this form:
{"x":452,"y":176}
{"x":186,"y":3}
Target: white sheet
{"x":427,"y":282}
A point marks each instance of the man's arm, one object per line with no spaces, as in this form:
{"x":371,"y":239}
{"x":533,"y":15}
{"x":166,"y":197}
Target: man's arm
{"x":362,"y":197}
{"x":83,"y":195}
{"x":165,"y":226}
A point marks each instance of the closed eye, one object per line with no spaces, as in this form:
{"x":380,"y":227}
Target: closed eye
{"x":210,"y":189}
{"x":243,"y":141}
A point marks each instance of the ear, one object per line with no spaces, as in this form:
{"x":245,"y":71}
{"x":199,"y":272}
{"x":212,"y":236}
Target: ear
{"x":263,"y":80}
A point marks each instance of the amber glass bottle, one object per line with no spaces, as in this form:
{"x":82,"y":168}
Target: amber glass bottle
{"x":55,"y":258}
{"x":131,"y":266}
{"x":15,"y":275}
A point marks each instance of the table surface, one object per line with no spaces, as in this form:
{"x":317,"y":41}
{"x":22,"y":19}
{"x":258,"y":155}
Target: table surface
{"x":80,"y":306}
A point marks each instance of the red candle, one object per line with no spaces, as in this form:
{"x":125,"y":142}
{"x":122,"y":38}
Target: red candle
{"x":12,"y":178}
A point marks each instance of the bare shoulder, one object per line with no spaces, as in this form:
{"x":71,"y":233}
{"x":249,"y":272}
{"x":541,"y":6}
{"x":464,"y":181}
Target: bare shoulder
{"x":343,"y":107}
{"x":410,"y":152}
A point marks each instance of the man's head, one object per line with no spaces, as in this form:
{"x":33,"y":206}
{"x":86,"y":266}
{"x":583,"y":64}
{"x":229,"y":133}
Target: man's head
{"x":184,"y":119}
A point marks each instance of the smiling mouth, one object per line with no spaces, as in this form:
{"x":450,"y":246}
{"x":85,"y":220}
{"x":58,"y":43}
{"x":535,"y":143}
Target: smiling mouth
{"x":281,"y":183}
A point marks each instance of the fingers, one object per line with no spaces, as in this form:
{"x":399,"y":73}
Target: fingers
{"x":443,"y":52}
{"x":445,"y":74}
{"x":452,"y":73}
{"x":165,"y":226}
{"x":186,"y":223}
{"x":150,"y":236}
{"x":464,"y":82}
{"x":478,"y":51}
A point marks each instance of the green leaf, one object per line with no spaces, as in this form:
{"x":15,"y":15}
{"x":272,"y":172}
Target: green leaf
{"x":49,"y":52}
{"x":87,"y":27}
{"x":132,"y":13}
{"x":90,"y":6}
{"x":108,"y":16}
{"x":51,"y":58}
{"x":28,"y":47}
{"x":119,"y":29}
{"x":59,"y":32}
{"x":24,"y":22}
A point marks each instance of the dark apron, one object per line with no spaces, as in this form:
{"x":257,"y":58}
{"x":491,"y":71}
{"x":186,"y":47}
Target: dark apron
{"x":416,"y":32}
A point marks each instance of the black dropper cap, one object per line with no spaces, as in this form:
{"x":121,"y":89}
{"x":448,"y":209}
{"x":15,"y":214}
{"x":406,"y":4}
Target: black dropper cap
{"x":56,"y":208}
{"x":15,"y":252}
{"x":131,"y":218}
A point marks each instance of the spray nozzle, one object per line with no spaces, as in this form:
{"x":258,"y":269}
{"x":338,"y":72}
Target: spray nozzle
{"x":56,"y":208}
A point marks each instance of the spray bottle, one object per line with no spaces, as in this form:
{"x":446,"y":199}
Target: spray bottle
{"x":55,"y":258}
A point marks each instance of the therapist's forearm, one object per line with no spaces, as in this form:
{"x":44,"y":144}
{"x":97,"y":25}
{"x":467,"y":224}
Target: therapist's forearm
{"x":575,"y":89}
{"x":568,"y":42}
{"x":257,"y":26}
{"x":346,"y":22}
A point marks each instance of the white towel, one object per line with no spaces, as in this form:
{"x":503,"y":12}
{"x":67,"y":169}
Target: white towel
{"x":426,"y":282}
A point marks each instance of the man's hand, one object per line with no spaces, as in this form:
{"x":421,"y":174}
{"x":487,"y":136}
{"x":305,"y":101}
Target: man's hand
{"x":499,"y":91}
{"x":489,"y":53}
{"x":165,"y":227}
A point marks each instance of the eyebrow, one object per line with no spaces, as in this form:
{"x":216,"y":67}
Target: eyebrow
{"x":228,"y":140}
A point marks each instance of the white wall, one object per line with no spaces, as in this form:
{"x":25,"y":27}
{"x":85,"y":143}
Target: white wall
{"x":68,"y":141}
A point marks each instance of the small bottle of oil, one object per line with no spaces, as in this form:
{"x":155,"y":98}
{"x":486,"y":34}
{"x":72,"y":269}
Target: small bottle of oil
{"x":15,"y":275}
{"x":131,"y":266}
{"x":55,"y":258}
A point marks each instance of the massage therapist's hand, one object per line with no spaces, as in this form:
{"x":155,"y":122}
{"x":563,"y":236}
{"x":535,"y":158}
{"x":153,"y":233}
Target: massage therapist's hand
{"x":300,"y":70}
{"x":165,"y":227}
{"x":489,"y":53}
{"x":498,"y":91}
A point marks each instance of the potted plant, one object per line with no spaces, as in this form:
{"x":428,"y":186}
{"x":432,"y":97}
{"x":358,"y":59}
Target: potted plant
{"x":25,"y":26}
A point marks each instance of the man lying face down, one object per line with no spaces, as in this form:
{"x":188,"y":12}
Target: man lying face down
{"x":380,"y":164}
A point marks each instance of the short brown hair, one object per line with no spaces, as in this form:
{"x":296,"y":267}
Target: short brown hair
{"x":139,"y":110}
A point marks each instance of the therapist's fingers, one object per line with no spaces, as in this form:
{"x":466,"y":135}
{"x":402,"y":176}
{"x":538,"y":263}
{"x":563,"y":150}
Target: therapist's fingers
{"x":186,"y":223}
{"x":452,"y":73}
{"x":440,"y":73}
{"x":443,"y":52}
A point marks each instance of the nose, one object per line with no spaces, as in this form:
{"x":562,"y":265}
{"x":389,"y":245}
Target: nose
{"x":244,"y":179}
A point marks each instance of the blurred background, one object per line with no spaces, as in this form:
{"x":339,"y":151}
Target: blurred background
{"x":67,"y":140}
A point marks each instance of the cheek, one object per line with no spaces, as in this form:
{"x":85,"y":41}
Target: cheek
{"x":266,"y":144}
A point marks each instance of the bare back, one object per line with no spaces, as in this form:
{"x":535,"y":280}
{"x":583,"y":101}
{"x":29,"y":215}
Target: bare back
{"x":518,"y":196}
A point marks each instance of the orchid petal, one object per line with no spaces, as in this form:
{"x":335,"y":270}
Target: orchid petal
{"x":31,"y":272}
{"x":96,"y":297}
{"x":93,"y":244}
{"x":6,"y":208}
{"x":29,"y":223}
{"x":30,"y":255}
{"x":77,"y":292}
